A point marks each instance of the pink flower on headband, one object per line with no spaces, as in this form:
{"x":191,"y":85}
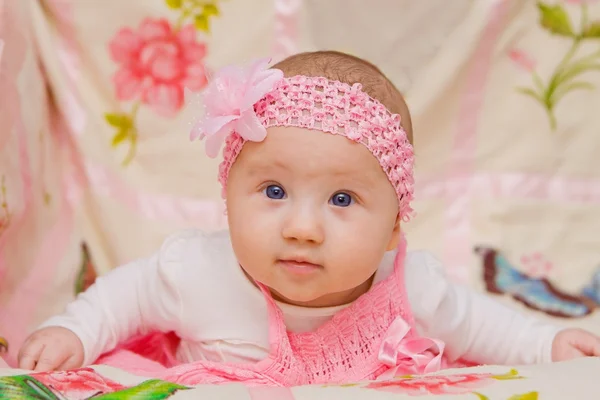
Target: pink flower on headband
{"x":229,"y":104}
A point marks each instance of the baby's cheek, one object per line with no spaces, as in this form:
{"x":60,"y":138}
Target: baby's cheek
{"x":355,"y":265}
{"x":253,"y":247}
{"x":361,"y":248}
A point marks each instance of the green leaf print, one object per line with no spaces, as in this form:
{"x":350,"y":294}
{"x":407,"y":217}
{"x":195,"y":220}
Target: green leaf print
{"x":126,"y":130}
{"x":87,"y":271}
{"x":571,"y":70}
{"x":154,"y":389}
{"x":530,"y":92}
{"x":175,"y":4}
{"x":526,"y":396}
{"x":510,"y":375}
{"x":198,"y":11}
{"x":119,"y":137}
{"x":592,"y":31}
{"x":201,"y":23}
{"x":121,"y":121}
{"x":24,"y":387}
{"x":571,"y":87}
{"x":210,"y":10}
{"x":555,"y":19}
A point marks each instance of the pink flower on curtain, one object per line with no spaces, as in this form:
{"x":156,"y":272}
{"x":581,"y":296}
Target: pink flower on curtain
{"x":522,"y":59}
{"x":156,"y":63}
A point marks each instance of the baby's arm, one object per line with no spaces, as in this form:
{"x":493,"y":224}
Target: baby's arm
{"x":474,"y":327}
{"x":134,"y":298}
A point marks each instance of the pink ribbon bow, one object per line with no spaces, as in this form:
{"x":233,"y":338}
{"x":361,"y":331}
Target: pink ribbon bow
{"x":229,"y":104}
{"x":408,"y":355}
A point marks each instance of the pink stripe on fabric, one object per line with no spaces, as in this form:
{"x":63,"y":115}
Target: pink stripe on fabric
{"x":286,"y":28}
{"x":19,"y":310}
{"x":68,"y":52}
{"x":505,"y":185}
{"x":270,"y":393}
{"x":209,"y":213}
{"x":13,"y":33}
{"x":516,"y":186}
{"x":18,"y":220}
{"x":12,"y":30}
{"x":24,"y":302}
{"x":457,"y":232}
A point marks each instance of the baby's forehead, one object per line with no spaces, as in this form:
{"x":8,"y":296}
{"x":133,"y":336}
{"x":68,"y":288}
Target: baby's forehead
{"x":311,"y":153}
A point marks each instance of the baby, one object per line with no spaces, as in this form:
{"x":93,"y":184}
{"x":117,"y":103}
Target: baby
{"x":312,"y":282}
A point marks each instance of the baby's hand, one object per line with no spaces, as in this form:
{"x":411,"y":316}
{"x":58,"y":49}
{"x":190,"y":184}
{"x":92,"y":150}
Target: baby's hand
{"x":575,"y":343}
{"x":52,"y":348}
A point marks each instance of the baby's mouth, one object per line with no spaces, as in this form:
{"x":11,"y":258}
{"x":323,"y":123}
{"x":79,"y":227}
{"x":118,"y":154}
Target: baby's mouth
{"x":299,"y":266}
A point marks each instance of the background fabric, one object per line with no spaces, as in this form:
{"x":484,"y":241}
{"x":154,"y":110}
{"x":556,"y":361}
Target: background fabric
{"x":96,"y":167}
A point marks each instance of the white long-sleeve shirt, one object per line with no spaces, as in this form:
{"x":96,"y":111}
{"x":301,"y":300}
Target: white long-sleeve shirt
{"x":195,"y":287}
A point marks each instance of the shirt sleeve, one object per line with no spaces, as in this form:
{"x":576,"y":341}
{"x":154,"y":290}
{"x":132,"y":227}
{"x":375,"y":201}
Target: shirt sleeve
{"x":473,"y":325}
{"x":135,"y":298}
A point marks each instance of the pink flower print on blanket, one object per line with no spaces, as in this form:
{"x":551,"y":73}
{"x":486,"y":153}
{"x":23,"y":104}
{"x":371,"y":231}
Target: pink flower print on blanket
{"x":434,"y":384}
{"x":156,"y":63}
{"x":78,"y":384}
{"x":441,"y":384}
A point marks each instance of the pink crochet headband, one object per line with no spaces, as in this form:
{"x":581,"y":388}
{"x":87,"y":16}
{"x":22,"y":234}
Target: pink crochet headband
{"x":241,"y":102}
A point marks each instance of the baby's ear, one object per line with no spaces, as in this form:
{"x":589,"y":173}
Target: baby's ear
{"x":395,"y":237}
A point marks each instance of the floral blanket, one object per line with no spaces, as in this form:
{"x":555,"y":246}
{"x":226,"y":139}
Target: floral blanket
{"x":568,"y":380}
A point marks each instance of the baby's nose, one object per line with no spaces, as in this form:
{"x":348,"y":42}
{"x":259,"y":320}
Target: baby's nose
{"x":304,"y":225}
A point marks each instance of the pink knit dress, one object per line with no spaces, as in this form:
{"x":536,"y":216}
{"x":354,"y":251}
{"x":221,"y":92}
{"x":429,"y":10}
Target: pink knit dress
{"x":373,"y":338}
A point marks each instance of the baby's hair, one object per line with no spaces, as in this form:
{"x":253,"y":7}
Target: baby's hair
{"x":349,"y":69}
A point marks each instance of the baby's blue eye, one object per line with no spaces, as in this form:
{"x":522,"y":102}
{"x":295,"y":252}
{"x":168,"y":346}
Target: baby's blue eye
{"x":274,"y":192}
{"x":341,"y":199}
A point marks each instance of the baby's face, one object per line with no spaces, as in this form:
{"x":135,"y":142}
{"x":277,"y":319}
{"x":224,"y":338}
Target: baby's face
{"x":311,"y":215}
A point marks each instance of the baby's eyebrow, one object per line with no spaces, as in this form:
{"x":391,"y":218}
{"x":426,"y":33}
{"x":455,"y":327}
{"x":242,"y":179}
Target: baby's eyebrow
{"x":356,"y":179}
{"x":266,"y":166}
{"x":363,"y":175}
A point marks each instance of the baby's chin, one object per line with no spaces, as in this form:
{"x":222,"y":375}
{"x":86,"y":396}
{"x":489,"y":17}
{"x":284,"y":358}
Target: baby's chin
{"x":295,"y":297}
{"x":302,"y":298}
